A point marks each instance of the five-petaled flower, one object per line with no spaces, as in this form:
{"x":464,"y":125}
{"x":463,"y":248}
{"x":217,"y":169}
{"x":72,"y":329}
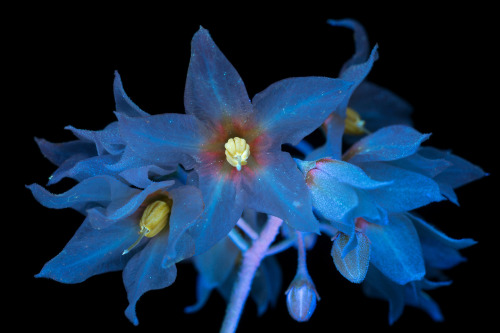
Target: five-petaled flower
{"x":234,"y":144}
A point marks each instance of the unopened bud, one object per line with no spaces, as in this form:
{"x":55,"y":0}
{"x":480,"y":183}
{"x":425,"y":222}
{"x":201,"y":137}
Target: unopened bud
{"x":301,"y":298}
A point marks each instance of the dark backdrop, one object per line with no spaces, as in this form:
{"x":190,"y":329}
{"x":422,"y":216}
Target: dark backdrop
{"x":439,"y":60}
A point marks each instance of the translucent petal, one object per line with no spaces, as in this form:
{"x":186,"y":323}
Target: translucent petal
{"x":395,"y":249}
{"x":217,"y":263}
{"x":439,"y":250}
{"x":145,"y":272}
{"x":377,"y":285}
{"x":409,"y":190}
{"x":388,"y":143}
{"x":185,"y":238}
{"x":348,"y":173}
{"x":379,"y":107}
{"x":58,"y":153}
{"x":290,"y":109}
{"x":279,"y":189}
{"x":92,"y":251}
{"x":123,"y":103}
{"x":107,"y":140}
{"x":214,"y":89}
{"x":97,"y":190}
{"x":460,"y":172}
{"x":165,"y":139}
{"x":362,"y":46}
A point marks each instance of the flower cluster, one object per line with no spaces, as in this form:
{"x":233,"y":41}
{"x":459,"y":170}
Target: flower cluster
{"x":212,"y":186}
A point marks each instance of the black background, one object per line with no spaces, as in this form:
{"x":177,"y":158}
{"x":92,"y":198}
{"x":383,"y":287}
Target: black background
{"x":441,"y":60}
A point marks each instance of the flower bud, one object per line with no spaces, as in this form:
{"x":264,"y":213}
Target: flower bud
{"x":301,"y":298}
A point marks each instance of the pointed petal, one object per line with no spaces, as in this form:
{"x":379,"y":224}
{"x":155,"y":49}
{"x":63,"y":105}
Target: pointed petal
{"x":97,"y":190}
{"x":58,"y":153}
{"x":266,"y":286}
{"x":348,"y":173}
{"x":80,"y":167}
{"x":362,"y":46}
{"x":379,"y":286}
{"x":332,"y":148}
{"x":460,"y":172}
{"x":214,"y":89}
{"x":91,"y":252}
{"x":292,"y":108}
{"x":140,"y":177}
{"x":409,"y":190}
{"x":165,"y":139}
{"x":123,"y":103}
{"x":183,"y":238}
{"x":387,"y":144}
{"x":144,"y":272}
{"x":439,"y":250}
{"x":118,"y":209}
{"x":279,"y":189}
{"x":354,"y":265}
{"x":395,"y":249}
{"x":379,"y":107}
{"x":106,"y":140}
{"x":218,"y":262}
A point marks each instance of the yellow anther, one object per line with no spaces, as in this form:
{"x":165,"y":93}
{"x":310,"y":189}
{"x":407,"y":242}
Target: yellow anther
{"x":354,"y":125}
{"x":237,"y":152}
{"x":154,"y":219}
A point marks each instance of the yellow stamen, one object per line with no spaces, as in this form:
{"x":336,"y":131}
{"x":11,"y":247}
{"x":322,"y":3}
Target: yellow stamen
{"x":237,"y":152}
{"x":354,"y":125}
{"x":154,"y":219}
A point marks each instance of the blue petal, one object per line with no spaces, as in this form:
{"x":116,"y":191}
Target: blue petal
{"x":348,"y":173}
{"x":362,"y":46}
{"x":215,"y":265}
{"x":58,"y":153}
{"x":439,"y":250}
{"x":379,"y":107}
{"x":123,"y":103}
{"x":409,"y":190}
{"x":290,"y":109}
{"x":145,"y":272}
{"x":279,"y":189}
{"x":266,"y":286}
{"x":214,"y":89}
{"x":165,"y":139}
{"x":377,"y":285}
{"x":460,"y":172}
{"x":332,"y":148}
{"x":387,"y":144}
{"x":140,"y":177}
{"x":90,"y":192}
{"x":331,"y":198}
{"x":128,"y":205}
{"x":91,"y":252}
{"x":107,"y":140}
{"x":353,"y":265}
{"x":395,"y":249}
{"x":79,"y":168}
{"x":185,"y":239}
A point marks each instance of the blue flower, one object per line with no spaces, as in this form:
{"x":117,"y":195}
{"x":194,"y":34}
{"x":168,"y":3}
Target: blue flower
{"x":366,"y":197}
{"x":439,"y":252}
{"x":125,"y":229}
{"x":102,"y":152}
{"x":234,"y":144}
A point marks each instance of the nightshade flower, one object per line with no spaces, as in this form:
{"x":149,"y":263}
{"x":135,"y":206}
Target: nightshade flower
{"x":367,"y":195}
{"x":102,"y":152}
{"x":439,"y":252}
{"x":125,"y":229}
{"x":367,"y":107}
{"x":234,"y":144}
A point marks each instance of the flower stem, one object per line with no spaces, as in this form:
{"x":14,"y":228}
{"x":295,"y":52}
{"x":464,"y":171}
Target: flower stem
{"x":251,"y":261}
